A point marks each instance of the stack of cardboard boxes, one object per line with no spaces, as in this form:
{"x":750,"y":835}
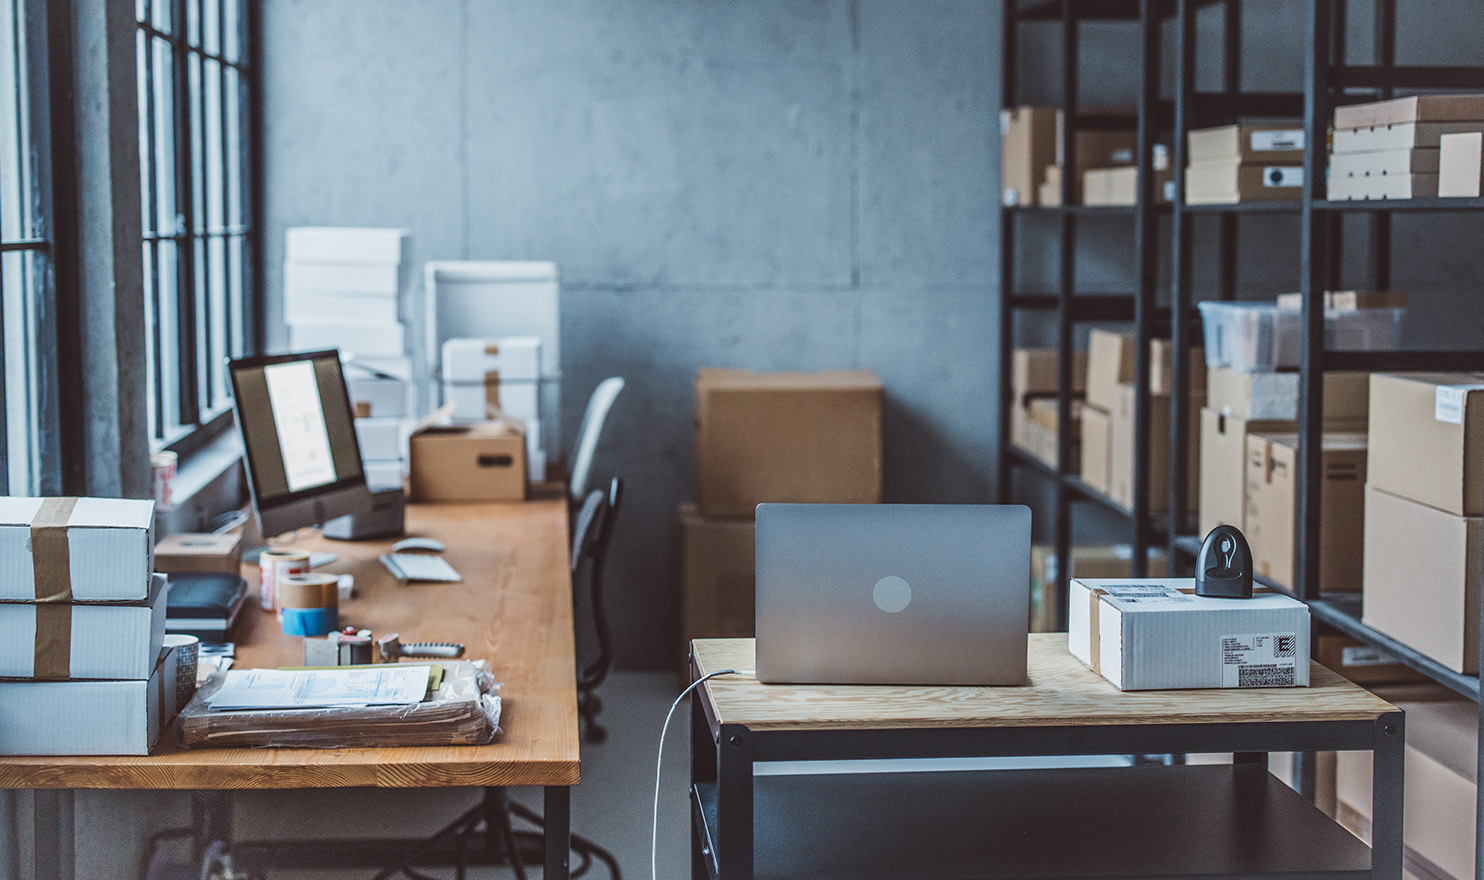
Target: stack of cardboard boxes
{"x":1245,"y":163}
{"x":1108,"y":418}
{"x":767,"y":437}
{"x":1033,"y":408}
{"x":83,"y":668}
{"x":1392,"y":149}
{"x":1032,"y":164}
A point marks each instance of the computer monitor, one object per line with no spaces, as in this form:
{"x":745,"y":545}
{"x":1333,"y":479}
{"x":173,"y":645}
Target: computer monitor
{"x":298,"y":434}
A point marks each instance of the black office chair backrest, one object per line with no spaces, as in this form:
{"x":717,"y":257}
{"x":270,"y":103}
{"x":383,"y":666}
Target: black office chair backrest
{"x":592,"y":534}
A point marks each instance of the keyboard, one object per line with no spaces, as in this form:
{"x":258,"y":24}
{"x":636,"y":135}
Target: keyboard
{"x":420,"y":567}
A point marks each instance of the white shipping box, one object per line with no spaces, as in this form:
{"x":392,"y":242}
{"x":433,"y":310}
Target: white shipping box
{"x":109,"y":548}
{"x":382,"y":439}
{"x":360,"y":340}
{"x":317,"y":307}
{"x":1382,"y":163}
{"x":344,"y":244}
{"x":516,"y":399}
{"x":86,"y":641}
{"x":384,"y":474}
{"x":1155,"y":634}
{"x":1386,"y":186}
{"x":368,"y":280}
{"x":510,"y":358}
{"x":385,"y":397}
{"x":1397,"y":136}
{"x":87,"y":717}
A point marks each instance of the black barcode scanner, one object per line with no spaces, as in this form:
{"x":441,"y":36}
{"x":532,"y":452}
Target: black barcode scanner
{"x":1223,"y":569}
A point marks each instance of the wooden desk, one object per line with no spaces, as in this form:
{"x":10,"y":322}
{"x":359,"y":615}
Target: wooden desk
{"x":514,"y":608}
{"x":1230,"y":821}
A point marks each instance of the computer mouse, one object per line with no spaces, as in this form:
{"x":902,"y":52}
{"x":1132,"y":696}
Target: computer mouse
{"x":428,"y":545}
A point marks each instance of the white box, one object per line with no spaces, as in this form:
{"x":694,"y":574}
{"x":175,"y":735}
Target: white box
{"x":1155,"y":634}
{"x":1383,"y":163}
{"x":317,"y":307}
{"x":360,"y":340}
{"x":1397,"y":136}
{"x":87,"y":717}
{"x":386,"y":397}
{"x":342,"y":244}
{"x":518,"y":400}
{"x":397,"y":367}
{"x":511,"y":358}
{"x":103,"y":641}
{"x":1461,"y":157}
{"x":384,"y":474}
{"x":110,"y":544}
{"x":1385,"y":186}
{"x":361,"y":279}
{"x":382,"y":439}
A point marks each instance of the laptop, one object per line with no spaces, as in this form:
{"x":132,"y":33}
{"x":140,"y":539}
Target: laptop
{"x":930,"y":594}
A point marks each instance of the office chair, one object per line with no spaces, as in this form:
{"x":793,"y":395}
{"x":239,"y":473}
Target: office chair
{"x":588,"y":435}
{"x":592,"y":533}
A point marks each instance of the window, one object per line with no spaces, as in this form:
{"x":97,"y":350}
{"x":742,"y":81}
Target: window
{"x":29,"y":462}
{"x":193,"y":148}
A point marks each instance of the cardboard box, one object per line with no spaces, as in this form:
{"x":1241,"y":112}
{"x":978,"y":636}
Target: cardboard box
{"x":55,"y":641}
{"x":1049,"y":190}
{"x":1460,"y":164}
{"x":1441,"y":791}
{"x":1362,"y":663}
{"x":1350,"y":300}
{"x":717,"y":564}
{"x":1035,"y":429}
{"x":1223,"y":471}
{"x":1416,"y":108}
{"x":1120,"y":186}
{"x":1396,"y":136}
{"x":800,"y":437}
{"x":1265,"y":144}
{"x":1427,"y":438}
{"x":1027,"y":146}
{"x":1097,"y":449}
{"x":1155,"y":634}
{"x":1390,"y":186}
{"x":1422,"y":572}
{"x":1110,"y":363}
{"x":1386,"y":163}
{"x":81,"y":549}
{"x":1274,"y":396}
{"x":88,"y":717}
{"x":199,"y":552}
{"x":1272,"y":501}
{"x":1033,"y":371}
{"x":1229,"y":183}
{"x":484,"y":461}
{"x":1087,"y":561}
{"x":1122,"y":450}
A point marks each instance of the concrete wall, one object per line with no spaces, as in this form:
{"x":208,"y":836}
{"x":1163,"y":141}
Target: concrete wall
{"x":772,"y":185}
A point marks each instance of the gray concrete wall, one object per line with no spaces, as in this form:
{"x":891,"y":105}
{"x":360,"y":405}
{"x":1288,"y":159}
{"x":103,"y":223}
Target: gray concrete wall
{"x":772,"y":185}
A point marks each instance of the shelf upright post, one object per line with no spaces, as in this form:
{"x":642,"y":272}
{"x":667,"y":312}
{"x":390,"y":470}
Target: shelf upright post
{"x":1066,"y":271}
{"x":1479,"y":772}
{"x":1146,"y":244}
{"x":1385,"y":27}
{"x":1007,"y":268}
{"x":1231,"y":75}
{"x":1180,"y":292}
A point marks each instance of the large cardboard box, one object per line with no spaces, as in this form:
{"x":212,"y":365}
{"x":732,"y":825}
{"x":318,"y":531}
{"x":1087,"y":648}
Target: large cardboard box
{"x":484,"y":461}
{"x":1027,"y":147}
{"x":1272,"y":501}
{"x":1223,"y":472}
{"x":1120,"y":186}
{"x":78,"y":549}
{"x":1274,"y":396}
{"x":1122,"y":450}
{"x":1263,"y":144}
{"x":1461,"y":164}
{"x":1362,"y":663}
{"x":1415,"y":108}
{"x":1038,"y":429}
{"x":1231,"y":182}
{"x":88,"y":717}
{"x":1096,"y":463}
{"x":800,"y":437}
{"x":1087,"y":561}
{"x":1033,"y":372}
{"x":1110,"y":363}
{"x":1440,"y":793}
{"x":1422,"y":573}
{"x":1427,"y":438}
{"x":199,"y":552}
{"x":1154,"y":634}
{"x":58,"y":641}
{"x":718,"y":574}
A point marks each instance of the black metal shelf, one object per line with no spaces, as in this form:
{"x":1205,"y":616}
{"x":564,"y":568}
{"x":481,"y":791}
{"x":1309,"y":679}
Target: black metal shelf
{"x":1244,"y":208}
{"x":1400,"y":206}
{"x":1342,"y":612}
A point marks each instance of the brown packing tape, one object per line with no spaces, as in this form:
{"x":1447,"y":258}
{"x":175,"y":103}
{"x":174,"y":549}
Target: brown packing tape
{"x":308,"y":591}
{"x":51,"y":559}
{"x":492,"y":407}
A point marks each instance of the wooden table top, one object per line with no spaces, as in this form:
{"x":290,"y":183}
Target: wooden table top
{"x":1062,"y":692}
{"x":514,"y":609}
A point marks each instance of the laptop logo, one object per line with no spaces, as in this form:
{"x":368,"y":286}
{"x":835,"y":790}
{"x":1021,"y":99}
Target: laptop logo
{"x":892,"y":594}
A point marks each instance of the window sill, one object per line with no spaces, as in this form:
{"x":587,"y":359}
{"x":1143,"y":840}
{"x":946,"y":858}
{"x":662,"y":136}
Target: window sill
{"x":208,"y":483}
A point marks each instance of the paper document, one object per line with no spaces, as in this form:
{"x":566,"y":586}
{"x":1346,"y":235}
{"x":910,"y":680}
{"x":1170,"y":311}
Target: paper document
{"x":388,"y":685}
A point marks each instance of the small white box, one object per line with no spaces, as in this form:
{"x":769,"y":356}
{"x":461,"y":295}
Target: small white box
{"x":110,"y":547}
{"x":511,"y":358}
{"x":382,"y":439}
{"x":315,"y":307}
{"x":102,"y":641}
{"x":346,"y":244}
{"x":87,"y":717}
{"x":384,"y":474}
{"x":361,"y":279}
{"x":386,"y":397}
{"x":360,"y":340}
{"x":517,"y":400}
{"x":1155,"y":634}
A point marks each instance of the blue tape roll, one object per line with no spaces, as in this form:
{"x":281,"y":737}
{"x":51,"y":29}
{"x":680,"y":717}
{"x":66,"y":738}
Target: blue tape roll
{"x":310,"y":621}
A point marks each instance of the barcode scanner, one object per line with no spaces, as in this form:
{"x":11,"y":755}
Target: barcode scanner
{"x":1223,"y":568}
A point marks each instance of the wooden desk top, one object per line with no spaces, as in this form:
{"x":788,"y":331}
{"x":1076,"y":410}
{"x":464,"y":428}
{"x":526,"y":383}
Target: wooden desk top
{"x":1062,"y":692}
{"x":514,"y":608}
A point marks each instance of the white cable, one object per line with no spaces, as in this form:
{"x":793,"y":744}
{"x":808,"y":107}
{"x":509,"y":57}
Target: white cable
{"x":659,"y":763}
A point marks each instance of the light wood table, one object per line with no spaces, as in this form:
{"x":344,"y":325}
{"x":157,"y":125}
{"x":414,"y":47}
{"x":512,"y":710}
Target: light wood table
{"x":1228,"y":821}
{"x":513,"y":608}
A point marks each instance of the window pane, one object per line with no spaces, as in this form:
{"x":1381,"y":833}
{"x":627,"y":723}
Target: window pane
{"x":141,"y":65}
{"x":193,"y":21}
{"x":16,"y":219}
{"x":211,"y":23}
{"x":151,"y":340}
{"x":163,"y":11}
{"x":233,"y":146}
{"x":236,"y":307}
{"x":198,"y":161}
{"x":216,"y":188}
{"x":232,"y":25}
{"x":22,"y":286}
{"x":166,"y":208}
{"x":202,"y":329}
{"x":166,"y":325}
{"x":213,"y":378}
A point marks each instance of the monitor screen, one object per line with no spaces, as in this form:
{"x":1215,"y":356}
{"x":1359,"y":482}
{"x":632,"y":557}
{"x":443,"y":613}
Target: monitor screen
{"x":298,"y":434}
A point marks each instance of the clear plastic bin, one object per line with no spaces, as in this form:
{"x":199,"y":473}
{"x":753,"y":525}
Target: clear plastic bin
{"x":1260,"y":337}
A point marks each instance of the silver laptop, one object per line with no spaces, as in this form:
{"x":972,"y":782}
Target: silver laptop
{"x":892,"y":593}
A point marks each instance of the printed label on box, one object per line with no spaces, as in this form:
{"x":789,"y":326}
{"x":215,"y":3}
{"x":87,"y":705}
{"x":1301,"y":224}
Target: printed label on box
{"x":1449,"y":400}
{"x":1364,"y":655}
{"x":1259,"y":660}
{"x":1271,"y":141}
{"x":1282,"y":175}
{"x":1146,"y":594}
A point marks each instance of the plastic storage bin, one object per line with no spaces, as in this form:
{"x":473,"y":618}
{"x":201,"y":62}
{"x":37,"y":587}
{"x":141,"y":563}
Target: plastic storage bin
{"x":1260,"y":337}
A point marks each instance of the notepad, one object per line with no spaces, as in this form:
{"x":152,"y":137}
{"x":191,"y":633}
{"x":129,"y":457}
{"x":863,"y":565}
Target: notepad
{"x":389,"y":685}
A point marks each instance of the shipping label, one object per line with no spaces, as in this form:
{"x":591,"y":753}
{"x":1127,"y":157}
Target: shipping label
{"x":1259,"y":660}
{"x":1145,"y":594}
{"x":1449,"y":400}
{"x":1272,"y":141}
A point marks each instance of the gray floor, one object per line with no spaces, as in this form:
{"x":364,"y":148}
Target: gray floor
{"x":613,"y":806}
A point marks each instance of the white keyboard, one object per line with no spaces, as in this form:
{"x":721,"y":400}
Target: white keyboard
{"x":420,"y":567}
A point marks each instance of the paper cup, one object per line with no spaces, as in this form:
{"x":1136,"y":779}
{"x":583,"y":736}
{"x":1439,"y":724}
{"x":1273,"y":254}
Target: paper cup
{"x":185,"y":659}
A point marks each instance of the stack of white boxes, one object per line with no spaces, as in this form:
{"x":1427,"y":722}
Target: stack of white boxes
{"x":1390,"y":149}
{"x":83,"y":667}
{"x":344,"y":288}
{"x":485,"y":378}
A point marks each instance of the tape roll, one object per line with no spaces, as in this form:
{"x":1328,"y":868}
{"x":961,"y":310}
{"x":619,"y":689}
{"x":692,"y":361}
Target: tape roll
{"x":308,"y":591}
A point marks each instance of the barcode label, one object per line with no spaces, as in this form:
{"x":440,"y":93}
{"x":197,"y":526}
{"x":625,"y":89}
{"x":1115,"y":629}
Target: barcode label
{"x":1146,"y":594}
{"x":1269,"y":141}
{"x":1449,"y":401}
{"x":1259,"y":660}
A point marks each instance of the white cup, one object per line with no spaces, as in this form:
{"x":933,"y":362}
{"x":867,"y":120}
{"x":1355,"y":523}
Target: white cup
{"x":185,"y":658}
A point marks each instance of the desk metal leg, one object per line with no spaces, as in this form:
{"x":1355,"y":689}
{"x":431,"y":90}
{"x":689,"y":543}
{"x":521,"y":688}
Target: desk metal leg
{"x":558,"y":832}
{"x":53,"y":839}
{"x":734,"y":831}
{"x":1388,"y":763}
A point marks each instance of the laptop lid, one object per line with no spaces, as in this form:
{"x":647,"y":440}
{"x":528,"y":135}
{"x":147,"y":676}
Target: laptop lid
{"x":893,"y":593}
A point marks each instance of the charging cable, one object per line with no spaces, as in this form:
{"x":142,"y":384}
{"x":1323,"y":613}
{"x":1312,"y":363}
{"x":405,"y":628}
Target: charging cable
{"x":654,"y":838}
